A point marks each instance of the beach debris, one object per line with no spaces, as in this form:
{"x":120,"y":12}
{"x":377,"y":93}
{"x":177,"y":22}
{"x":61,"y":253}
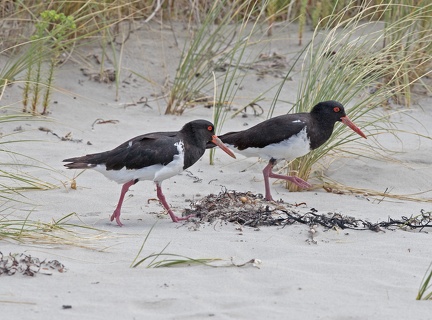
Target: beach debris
{"x":312,"y":234}
{"x":104,"y":76}
{"x":67,"y":137}
{"x":252,"y":262}
{"x":102,"y":121}
{"x":27,"y":265}
{"x":250,"y":209}
{"x":142,"y":100}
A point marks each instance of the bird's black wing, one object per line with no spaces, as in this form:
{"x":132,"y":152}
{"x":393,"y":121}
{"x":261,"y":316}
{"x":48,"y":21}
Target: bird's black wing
{"x":273,"y":130}
{"x":136,"y":153}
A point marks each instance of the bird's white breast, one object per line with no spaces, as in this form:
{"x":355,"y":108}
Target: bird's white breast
{"x":289,"y":149}
{"x":156,"y":172}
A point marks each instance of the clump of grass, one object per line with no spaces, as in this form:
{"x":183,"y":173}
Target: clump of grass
{"x":168,"y":259}
{"x":54,"y":232}
{"x":57,"y":27}
{"x":425,"y":290}
{"x":407,"y":33}
{"x":48,"y":43}
{"x":197,"y":61}
{"x":14,"y":66}
{"x":16,"y":167}
{"x":214,"y":54}
{"x":163,"y":259}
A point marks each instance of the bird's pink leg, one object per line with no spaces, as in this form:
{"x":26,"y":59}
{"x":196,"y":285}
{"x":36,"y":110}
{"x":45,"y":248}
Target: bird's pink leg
{"x":268,"y":173}
{"x":161,"y":198}
{"x":116,"y":214}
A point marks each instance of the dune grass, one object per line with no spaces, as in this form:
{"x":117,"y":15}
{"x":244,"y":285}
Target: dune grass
{"x":13,"y":177}
{"x":163,"y":259}
{"x":425,"y":290}
{"x":213,"y":56}
{"x":61,"y":232}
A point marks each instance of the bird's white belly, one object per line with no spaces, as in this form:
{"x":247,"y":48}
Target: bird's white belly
{"x":156,"y":172}
{"x":294,"y":147}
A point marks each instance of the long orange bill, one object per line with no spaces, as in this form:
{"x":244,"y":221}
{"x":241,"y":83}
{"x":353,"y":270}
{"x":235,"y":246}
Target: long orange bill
{"x":221,"y":145}
{"x":346,"y":121}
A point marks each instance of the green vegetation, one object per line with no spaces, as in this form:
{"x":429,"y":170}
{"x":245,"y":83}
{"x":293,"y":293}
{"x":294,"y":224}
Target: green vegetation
{"x":425,"y":292}
{"x":54,"y":232}
{"x":47,"y":43}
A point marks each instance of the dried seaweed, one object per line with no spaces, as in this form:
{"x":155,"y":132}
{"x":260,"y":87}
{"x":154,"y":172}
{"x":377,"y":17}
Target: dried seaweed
{"x":249,"y":209}
{"x":27,"y":265}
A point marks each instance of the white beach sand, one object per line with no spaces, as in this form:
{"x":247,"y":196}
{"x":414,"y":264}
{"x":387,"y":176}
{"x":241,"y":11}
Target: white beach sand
{"x":348,"y":274}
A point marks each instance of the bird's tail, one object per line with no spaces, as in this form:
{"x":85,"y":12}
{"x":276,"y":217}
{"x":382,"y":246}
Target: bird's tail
{"x":78,"y":163}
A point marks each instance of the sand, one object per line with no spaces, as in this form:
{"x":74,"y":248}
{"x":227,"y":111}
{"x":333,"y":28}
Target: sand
{"x":346,"y":274}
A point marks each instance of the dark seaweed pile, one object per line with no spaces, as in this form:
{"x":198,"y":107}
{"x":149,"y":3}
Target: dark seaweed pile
{"x":249,"y":209}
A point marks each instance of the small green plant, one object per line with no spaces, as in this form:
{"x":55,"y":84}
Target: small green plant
{"x":49,"y":39}
{"x":55,"y":232}
{"x":169,"y":259}
{"x":426,"y":285}
{"x":163,"y":259}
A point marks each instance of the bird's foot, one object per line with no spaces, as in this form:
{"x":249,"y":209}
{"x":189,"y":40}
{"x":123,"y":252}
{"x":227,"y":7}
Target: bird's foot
{"x":294,"y":179}
{"x":300,"y":182}
{"x":175,"y":218}
{"x":116,"y":216}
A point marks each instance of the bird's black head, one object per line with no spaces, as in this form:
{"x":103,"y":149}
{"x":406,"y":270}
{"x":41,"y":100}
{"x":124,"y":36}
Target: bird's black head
{"x":329,"y":111}
{"x":202,"y":130}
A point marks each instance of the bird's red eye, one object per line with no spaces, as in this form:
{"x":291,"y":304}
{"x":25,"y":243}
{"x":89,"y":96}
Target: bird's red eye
{"x":336,"y":109}
{"x":210,"y":128}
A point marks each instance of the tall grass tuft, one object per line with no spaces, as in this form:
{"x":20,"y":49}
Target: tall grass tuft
{"x":214,"y":54}
{"x":202,"y":55}
{"x":49,"y":40}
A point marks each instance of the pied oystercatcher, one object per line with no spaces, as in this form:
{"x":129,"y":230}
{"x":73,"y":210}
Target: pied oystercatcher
{"x":288,"y":137}
{"x":153,"y":156}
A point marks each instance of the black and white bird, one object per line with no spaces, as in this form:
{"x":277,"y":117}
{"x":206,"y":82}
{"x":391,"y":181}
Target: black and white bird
{"x":153,"y":156}
{"x":288,"y":137}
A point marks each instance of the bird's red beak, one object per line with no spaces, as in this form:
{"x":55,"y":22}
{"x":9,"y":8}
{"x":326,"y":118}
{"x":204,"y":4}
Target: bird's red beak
{"x":221,"y":145}
{"x":346,"y":121}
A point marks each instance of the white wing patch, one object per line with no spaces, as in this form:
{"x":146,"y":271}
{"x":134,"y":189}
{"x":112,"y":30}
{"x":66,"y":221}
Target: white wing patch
{"x":174,"y":167}
{"x":289,"y":149}
{"x":156,"y":172}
